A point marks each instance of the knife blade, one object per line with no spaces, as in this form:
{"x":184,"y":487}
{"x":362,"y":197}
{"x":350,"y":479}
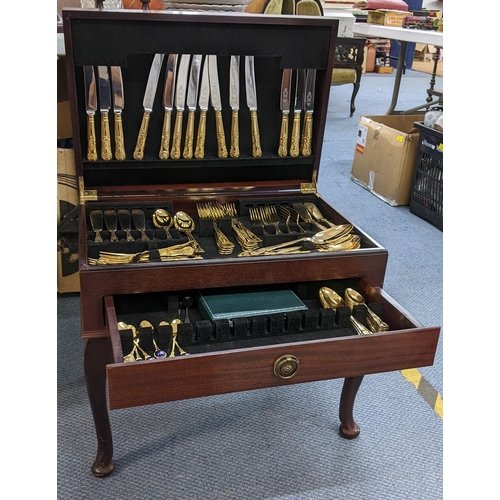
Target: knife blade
{"x":199,"y":152}
{"x":180,"y":101}
{"x":90,"y":108}
{"x":147,"y":103}
{"x":234,"y":102}
{"x":297,"y":112}
{"x":118,"y":105}
{"x":168,"y":104}
{"x":216,"y":102}
{"x":104,"y":107}
{"x":252,"y":104}
{"x":192,"y":96}
{"x":286,"y":83}
{"x":305,"y":147}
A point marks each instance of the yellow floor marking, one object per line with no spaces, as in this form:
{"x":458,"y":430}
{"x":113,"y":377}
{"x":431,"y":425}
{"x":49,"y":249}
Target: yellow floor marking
{"x":428,"y":392}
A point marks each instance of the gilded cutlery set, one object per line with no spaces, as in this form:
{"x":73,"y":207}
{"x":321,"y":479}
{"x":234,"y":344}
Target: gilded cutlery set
{"x":192,"y":82}
{"x":128,"y":236}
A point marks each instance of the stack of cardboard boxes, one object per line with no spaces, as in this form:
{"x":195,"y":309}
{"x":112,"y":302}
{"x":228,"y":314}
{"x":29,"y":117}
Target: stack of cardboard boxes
{"x":67,"y":192}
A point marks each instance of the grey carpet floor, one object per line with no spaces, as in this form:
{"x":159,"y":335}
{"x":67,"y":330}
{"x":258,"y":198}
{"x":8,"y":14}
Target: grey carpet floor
{"x":282,"y":443}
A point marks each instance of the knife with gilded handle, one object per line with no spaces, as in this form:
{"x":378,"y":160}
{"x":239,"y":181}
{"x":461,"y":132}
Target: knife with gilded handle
{"x":90,"y":108}
{"x":104,"y":107}
{"x":199,"y":152}
{"x":147,"y":103}
{"x":168,"y":103}
{"x":192,"y":96}
{"x":118,"y":104}
{"x":180,"y":101}
{"x":234,"y":102}
{"x":217,"y":105}
{"x":286,"y":82}
{"x":252,"y":104}
{"x":297,"y":112}
{"x":305,"y":146}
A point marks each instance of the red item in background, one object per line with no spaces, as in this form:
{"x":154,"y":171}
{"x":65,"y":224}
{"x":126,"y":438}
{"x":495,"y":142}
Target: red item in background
{"x":384,"y":5}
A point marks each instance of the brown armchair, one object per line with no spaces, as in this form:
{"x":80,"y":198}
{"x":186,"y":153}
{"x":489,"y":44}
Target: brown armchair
{"x":347,"y":67}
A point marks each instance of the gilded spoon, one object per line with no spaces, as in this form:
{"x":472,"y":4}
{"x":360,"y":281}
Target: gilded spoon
{"x":184,"y":223}
{"x":353,"y":298}
{"x":331,"y":299}
{"x":163,"y":220}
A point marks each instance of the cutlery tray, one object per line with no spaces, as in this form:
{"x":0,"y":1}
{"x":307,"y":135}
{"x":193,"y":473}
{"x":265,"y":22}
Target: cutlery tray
{"x":202,"y":335}
{"x":204,"y":229}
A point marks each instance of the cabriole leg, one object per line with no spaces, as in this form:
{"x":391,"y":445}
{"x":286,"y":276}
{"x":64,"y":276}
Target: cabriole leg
{"x":348,"y":428}
{"x":96,"y":356}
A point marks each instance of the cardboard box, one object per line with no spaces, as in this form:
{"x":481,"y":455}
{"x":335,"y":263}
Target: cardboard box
{"x":384,"y":69}
{"x":68,"y":279}
{"x":64,"y":128}
{"x":387,"y":17}
{"x":425,"y":52}
{"x":385,"y":155}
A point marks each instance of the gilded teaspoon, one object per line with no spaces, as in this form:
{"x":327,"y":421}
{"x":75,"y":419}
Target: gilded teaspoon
{"x":135,"y":337}
{"x":159,"y":353}
{"x":133,"y":355}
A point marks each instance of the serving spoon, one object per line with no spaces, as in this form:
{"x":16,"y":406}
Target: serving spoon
{"x":163,"y":220}
{"x":331,"y":299}
{"x":184,"y":223}
{"x":354,"y":298}
{"x":320,"y":238}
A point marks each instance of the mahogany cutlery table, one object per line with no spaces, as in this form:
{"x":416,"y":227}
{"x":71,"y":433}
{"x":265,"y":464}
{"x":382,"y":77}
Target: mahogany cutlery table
{"x":120,"y":299}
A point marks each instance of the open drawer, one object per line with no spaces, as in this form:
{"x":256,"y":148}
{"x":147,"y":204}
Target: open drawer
{"x":254,"y":352}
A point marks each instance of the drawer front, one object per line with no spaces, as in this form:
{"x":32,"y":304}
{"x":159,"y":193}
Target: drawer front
{"x":194,"y":376}
{"x":407,"y":345}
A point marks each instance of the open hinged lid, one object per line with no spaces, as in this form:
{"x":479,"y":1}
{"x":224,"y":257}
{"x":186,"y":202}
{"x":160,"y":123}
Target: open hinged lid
{"x":98,"y":42}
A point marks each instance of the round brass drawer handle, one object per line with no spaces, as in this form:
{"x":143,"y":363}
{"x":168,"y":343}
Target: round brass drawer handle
{"x":286,"y":366}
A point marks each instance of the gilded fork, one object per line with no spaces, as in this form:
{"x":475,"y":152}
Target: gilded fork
{"x":214,"y":211}
{"x":245,"y":237}
{"x":273,"y":218}
{"x":256,"y":218}
{"x":289,"y":212}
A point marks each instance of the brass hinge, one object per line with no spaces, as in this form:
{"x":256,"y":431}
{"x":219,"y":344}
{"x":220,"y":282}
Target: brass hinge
{"x":86,"y":194}
{"x":308,"y":188}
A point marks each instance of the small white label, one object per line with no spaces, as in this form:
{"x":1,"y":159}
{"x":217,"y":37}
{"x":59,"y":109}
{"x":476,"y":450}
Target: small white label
{"x":362,"y":134}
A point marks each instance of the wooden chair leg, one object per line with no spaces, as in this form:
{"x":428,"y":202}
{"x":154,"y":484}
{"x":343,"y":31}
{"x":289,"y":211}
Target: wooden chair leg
{"x":353,"y":97}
